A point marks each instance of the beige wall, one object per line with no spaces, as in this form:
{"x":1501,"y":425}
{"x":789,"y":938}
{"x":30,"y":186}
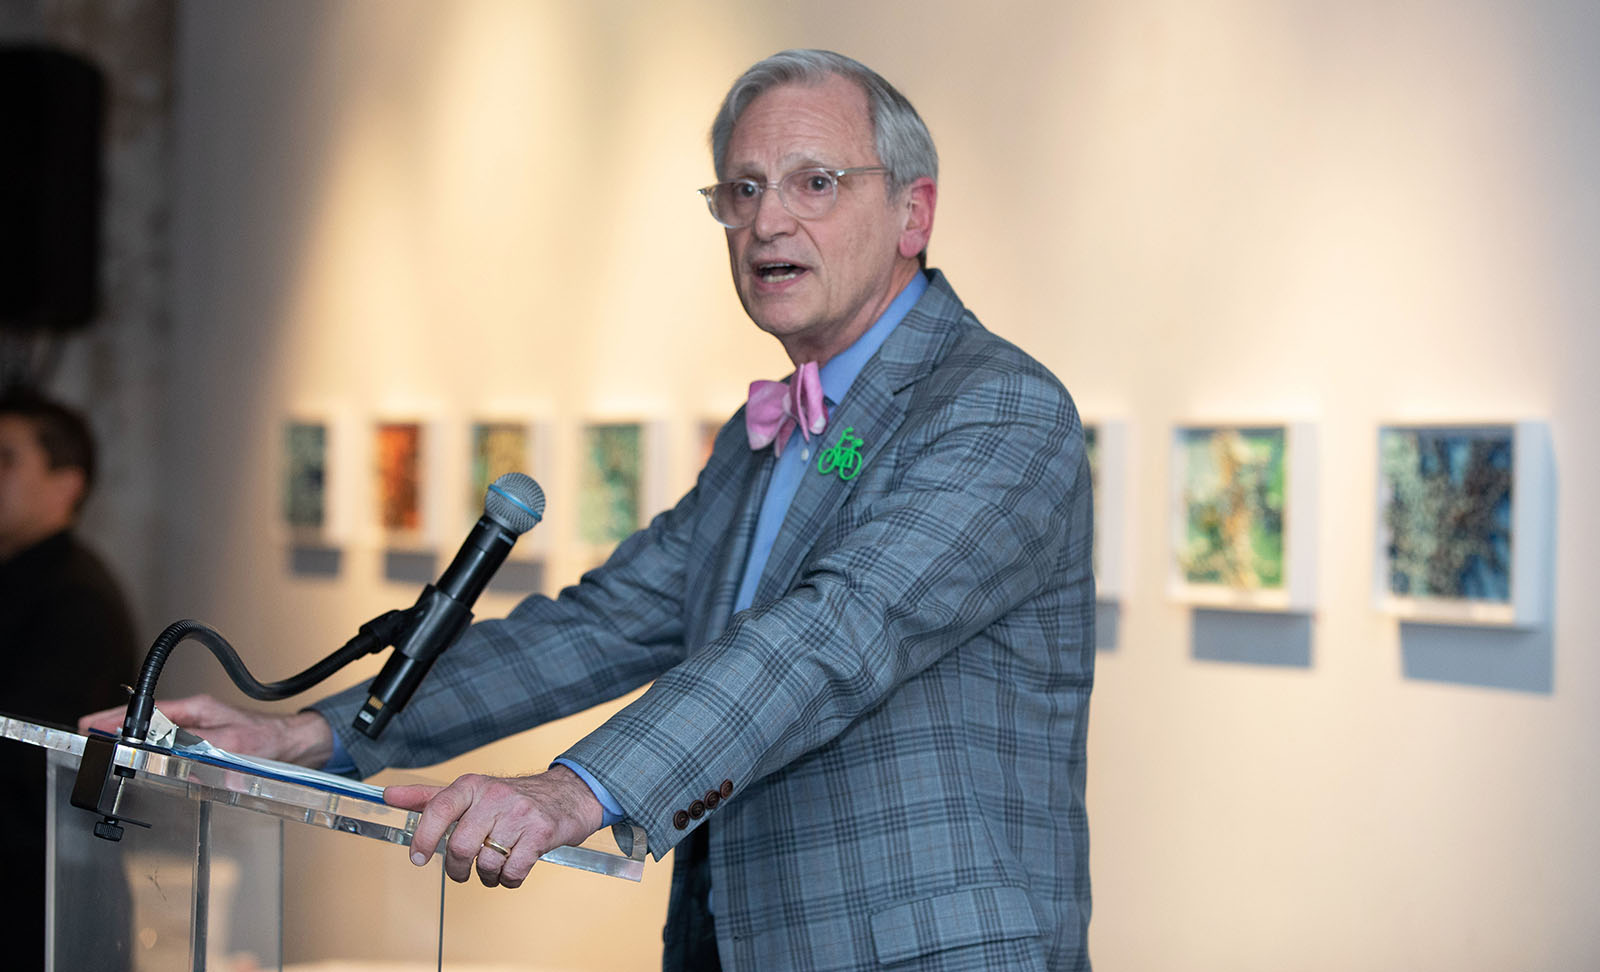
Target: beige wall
{"x":1348,"y":213}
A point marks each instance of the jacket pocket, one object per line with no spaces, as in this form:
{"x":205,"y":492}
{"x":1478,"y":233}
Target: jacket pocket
{"x":965,"y":917}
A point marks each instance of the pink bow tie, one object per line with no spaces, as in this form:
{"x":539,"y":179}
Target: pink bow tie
{"x":776,"y":408}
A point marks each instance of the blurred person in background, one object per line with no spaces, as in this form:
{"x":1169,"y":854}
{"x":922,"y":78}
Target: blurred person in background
{"x":67,"y":641}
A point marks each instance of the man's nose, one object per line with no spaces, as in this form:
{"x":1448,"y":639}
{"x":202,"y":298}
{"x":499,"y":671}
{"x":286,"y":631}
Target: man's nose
{"x":772,"y":218}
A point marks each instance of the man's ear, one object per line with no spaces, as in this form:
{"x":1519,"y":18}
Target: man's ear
{"x":920,"y":198}
{"x":67,"y":487}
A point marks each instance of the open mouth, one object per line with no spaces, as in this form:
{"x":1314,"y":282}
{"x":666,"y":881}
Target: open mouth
{"x":778,"y":272}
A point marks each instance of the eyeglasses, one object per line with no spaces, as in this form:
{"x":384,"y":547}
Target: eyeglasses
{"x":805,"y":193}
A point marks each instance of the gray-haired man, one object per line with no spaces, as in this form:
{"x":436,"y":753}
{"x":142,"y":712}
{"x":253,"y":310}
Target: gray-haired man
{"x":869,"y":625}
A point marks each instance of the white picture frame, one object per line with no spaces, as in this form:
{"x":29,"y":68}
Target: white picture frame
{"x":331,"y":525}
{"x":536,"y":460}
{"x":613,"y":500}
{"x":1107,"y":442}
{"x":409,"y":502}
{"x":1492,"y":483}
{"x":1234,"y":544}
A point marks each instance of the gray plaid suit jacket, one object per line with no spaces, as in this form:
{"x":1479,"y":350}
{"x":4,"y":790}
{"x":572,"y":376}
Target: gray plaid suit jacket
{"x":900,"y":717}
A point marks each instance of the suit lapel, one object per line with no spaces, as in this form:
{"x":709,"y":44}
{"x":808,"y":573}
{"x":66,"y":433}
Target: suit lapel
{"x":873,"y":410}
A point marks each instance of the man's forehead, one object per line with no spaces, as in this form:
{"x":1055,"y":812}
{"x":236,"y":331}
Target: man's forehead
{"x":752,"y":168}
{"x":19,"y":430}
{"x":798,"y":125}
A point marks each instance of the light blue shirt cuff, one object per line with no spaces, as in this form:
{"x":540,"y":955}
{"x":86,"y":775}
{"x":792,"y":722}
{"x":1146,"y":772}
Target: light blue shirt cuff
{"x":340,"y":763}
{"x":608,"y":803}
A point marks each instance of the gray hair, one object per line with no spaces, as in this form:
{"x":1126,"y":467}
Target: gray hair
{"x":902,"y":141}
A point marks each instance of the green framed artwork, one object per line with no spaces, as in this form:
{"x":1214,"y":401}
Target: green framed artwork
{"x":497,"y":448}
{"x":1244,"y":514}
{"x":611,"y":487}
{"x":503,"y":442}
{"x":306,"y":479}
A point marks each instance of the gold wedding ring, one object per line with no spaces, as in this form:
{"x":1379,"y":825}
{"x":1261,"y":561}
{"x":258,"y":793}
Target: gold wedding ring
{"x":504,"y":850}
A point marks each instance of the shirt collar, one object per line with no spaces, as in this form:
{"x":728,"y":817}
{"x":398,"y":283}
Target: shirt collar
{"x":841,"y":370}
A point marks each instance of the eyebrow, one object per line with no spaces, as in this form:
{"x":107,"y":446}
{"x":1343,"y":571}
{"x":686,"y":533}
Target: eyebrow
{"x":794,"y":164}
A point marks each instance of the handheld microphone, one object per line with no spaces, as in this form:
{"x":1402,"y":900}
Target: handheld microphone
{"x":513,"y":505}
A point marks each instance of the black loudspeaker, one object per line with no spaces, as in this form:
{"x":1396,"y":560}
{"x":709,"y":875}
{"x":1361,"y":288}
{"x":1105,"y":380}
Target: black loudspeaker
{"x":52,"y":106}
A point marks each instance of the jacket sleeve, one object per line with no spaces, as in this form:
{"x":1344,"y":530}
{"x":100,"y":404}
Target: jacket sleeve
{"x":986,"y":504}
{"x":615,"y":630}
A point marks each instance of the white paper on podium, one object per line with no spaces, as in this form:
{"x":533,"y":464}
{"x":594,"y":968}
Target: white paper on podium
{"x":166,"y":734}
{"x":289,"y":773}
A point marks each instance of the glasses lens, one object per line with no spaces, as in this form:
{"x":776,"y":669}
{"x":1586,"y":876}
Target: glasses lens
{"x":809,"y":193}
{"x":734,"y":204}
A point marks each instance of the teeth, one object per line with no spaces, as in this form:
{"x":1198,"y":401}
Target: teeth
{"x":778,"y":272}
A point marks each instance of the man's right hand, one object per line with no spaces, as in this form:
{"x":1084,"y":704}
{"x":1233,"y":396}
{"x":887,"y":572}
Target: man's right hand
{"x":304,"y":738}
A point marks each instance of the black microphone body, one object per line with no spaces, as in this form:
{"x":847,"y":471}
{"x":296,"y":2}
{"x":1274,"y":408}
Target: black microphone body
{"x":444,"y":610}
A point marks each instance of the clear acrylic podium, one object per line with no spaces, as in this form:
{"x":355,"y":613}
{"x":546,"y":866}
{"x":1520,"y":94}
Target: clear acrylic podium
{"x":240,"y":871}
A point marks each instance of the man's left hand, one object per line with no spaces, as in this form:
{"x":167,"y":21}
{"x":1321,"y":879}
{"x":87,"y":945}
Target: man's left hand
{"x":528,"y":815}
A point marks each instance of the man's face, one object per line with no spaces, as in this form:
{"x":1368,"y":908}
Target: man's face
{"x":814,"y":284}
{"x":35,"y":500}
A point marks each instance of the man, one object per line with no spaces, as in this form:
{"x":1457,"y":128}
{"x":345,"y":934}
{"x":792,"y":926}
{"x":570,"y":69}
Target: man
{"x":869,"y":624}
{"x":66,"y":638}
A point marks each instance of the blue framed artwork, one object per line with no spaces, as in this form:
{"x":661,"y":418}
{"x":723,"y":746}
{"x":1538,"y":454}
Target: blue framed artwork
{"x":1462,"y":532}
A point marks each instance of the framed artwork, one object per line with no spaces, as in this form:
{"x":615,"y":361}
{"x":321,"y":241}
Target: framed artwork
{"x":314,"y":508}
{"x":497,"y":446}
{"x":1244,"y":516}
{"x":619,"y":479}
{"x":1463,"y":523}
{"x":611,"y":485}
{"x":399,"y":481}
{"x":1107,"y":446}
{"x":305,"y":480}
{"x":705,"y":437}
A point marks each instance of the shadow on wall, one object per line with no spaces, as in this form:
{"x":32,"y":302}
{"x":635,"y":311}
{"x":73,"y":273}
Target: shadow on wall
{"x":1518,"y":659}
{"x":1252,"y":638}
{"x":1523,"y":661}
{"x":1107,"y":625}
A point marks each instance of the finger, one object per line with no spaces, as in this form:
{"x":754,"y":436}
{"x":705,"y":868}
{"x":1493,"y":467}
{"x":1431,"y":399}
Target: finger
{"x":489,"y":864}
{"x":198,"y":711}
{"x":440,"y":811}
{"x":411,"y":796}
{"x":465,"y":843}
{"x":106,"y":720}
{"x":524,"y":855}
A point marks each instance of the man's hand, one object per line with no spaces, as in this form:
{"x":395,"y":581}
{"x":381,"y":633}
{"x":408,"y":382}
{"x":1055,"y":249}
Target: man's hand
{"x":527,"y":815}
{"x":304,"y":738}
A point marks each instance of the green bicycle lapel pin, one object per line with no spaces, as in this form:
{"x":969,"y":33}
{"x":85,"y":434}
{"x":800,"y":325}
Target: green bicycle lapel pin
{"x":842,"y":456}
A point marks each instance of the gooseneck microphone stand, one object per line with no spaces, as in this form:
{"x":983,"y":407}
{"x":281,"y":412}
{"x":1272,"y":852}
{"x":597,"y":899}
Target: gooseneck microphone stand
{"x":98,"y":785}
{"x":420,"y":634}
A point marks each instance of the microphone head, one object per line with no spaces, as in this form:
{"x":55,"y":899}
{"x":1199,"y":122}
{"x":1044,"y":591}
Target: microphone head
{"x":515,"y":502}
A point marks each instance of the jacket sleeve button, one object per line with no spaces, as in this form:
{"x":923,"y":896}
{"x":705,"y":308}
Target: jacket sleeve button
{"x":680,"y":819}
{"x":697,"y":809}
{"x":712,"y":799}
{"x":727,"y":789}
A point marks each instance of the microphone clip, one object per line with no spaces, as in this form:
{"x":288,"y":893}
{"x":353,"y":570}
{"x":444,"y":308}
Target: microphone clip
{"x":436,"y":621}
